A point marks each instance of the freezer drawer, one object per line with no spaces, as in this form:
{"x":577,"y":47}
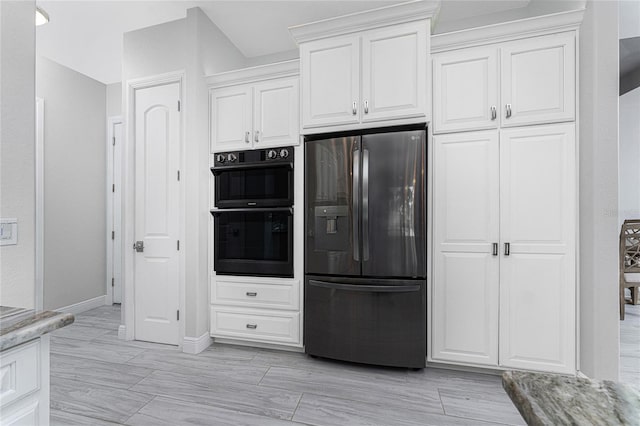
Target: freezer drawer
{"x":380,"y":322}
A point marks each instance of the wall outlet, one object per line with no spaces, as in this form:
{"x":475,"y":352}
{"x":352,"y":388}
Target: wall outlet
{"x":8,"y":232}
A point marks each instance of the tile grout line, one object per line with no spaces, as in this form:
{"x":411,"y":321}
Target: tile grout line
{"x":297,"y":406}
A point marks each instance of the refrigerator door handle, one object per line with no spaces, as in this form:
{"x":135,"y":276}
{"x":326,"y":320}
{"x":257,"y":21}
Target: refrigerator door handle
{"x":367,"y":288}
{"x":355,"y":200}
{"x":365,"y":205}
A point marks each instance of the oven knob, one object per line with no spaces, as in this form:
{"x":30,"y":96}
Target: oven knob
{"x":272,"y":154}
{"x":232,"y":158}
{"x":284,"y":153}
{"x":220,"y":158}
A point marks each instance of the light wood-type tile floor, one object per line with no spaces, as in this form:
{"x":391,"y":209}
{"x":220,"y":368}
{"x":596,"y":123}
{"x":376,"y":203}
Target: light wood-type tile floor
{"x":97,"y":379}
{"x":630,"y":346}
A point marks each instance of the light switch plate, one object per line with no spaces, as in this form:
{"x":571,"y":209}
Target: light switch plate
{"x":8,"y":231}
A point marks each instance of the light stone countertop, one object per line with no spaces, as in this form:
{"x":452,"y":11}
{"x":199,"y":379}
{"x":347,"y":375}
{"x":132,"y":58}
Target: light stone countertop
{"x":19,"y":325}
{"x":549,"y":399}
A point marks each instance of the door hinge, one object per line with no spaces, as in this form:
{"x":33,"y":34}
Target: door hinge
{"x":178,"y":245}
{"x":114,"y":140}
{"x":113,"y":187}
{"x":178,"y":174}
{"x":178,"y":315}
{"x":178,"y":105}
{"x":113,"y":235}
{"x":113,"y":282}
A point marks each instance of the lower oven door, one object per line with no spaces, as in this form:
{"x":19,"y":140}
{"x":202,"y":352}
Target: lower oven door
{"x":380,"y":322}
{"x":253,"y":242}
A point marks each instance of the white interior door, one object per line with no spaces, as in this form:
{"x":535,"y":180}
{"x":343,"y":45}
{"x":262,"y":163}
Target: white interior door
{"x":537,"y":272}
{"x":466,"y":267}
{"x":157,"y":146}
{"x":116,"y":212}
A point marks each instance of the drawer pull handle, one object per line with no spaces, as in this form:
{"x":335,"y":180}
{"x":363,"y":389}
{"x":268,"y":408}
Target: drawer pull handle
{"x":252,"y":294}
{"x":252,"y":326}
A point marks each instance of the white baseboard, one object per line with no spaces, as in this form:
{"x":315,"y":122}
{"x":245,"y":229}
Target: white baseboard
{"x":195,"y":345}
{"x":122,"y":332}
{"x":581,"y":375}
{"x":87,"y":305}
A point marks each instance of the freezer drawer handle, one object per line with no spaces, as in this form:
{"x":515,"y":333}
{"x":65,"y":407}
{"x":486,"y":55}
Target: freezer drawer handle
{"x":252,"y":294}
{"x":367,"y":288}
{"x":252,"y":326}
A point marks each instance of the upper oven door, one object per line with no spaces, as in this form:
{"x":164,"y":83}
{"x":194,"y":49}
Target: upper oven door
{"x":255,"y":185}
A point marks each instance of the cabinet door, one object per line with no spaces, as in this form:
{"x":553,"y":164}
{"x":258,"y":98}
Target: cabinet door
{"x":330,"y":71}
{"x":230,"y":121}
{"x":537,"y":275}
{"x":465,"y":90}
{"x":275,"y":113}
{"x":538,"y":80}
{"x":394,"y":72}
{"x":465,"y":224}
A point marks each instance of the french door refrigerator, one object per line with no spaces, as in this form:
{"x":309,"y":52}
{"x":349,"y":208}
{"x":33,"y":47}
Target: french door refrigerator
{"x":365,"y":248}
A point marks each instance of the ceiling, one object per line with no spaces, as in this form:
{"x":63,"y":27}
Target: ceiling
{"x":87,"y":35}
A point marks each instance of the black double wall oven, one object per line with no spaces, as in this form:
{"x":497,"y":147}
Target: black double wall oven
{"x":253,"y":215}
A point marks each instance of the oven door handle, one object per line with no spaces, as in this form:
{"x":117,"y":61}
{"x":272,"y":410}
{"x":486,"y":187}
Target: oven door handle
{"x":367,"y":288}
{"x":266,"y":165}
{"x":253,"y":210}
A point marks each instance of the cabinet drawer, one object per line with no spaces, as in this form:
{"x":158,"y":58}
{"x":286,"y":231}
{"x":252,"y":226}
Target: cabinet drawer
{"x":254,"y":324}
{"x":19,"y":372}
{"x":270,"y":294}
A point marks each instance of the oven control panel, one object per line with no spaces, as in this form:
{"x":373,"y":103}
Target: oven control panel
{"x":256,"y":156}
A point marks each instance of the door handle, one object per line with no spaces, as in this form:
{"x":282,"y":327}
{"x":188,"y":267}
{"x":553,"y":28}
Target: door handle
{"x":365,"y":204}
{"x":495,"y":249}
{"x":355,"y":204}
{"x":508,"y":109}
{"x":139,"y":246}
{"x":247,"y":137}
{"x":494,"y":113}
{"x":507,"y":249}
{"x":354,"y":108}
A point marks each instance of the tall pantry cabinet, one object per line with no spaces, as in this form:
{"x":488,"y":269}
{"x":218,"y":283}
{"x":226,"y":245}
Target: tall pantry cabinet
{"x":504,"y":283}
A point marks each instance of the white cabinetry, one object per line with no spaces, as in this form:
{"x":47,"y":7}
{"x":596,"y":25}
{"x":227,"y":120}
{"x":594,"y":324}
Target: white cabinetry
{"x":254,"y":108}
{"x":529,"y":81}
{"x":377,"y":75}
{"x":366,"y":70}
{"x":24,"y":395}
{"x":504,"y":164}
{"x":511,"y":281}
{"x":256,"y":309}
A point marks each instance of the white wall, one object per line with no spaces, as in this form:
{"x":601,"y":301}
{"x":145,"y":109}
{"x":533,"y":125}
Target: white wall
{"x":114,"y":99}
{"x":75,"y":181}
{"x":629,"y":156}
{"x":598,"y":144}
{"x":17,"y":150}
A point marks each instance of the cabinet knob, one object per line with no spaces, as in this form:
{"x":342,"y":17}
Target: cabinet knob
{"x":507,"y":249}
{"x":495,"y":249}
{"x":257,"y":136}
{"x":247,"y":137}
{"x":494,"y":113}
{"x":366,"y":107}
{"x":508,"y":109}
{"x":354,"y":108}
{"x":252,"y":326}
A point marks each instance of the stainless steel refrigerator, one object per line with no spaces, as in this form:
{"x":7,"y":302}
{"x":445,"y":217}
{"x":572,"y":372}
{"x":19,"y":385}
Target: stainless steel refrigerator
{"x":365,"y":248}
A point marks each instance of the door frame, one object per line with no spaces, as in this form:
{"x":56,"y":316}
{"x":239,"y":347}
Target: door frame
{"x":114,"y":164}
{"x":127,"y":330}
{"x":39,"y":213}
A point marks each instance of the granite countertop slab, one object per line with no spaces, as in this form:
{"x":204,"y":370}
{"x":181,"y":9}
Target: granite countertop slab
{"x":19,"y":325}
{"x":549,"y":399}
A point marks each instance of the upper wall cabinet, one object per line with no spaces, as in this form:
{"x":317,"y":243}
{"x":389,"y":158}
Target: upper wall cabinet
{"x":254,"y":108}
{"x":529,"y":81}
{"x":366,"y":70}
